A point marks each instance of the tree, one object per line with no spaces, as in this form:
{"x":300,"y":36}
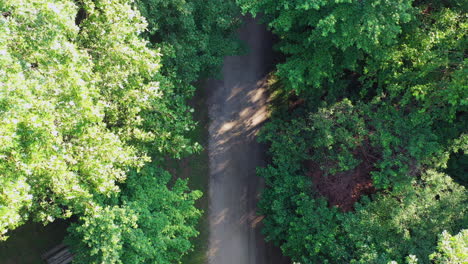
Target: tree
{"x":84,"y":104}
{"x":142,"y":106}
{"x":392,"y":103}
{"x":194,"y":36}
{"x":56,"y":150}
{"x":395,"y":224}
{"x":451,"y":249}
{"x":151,"y":223}
{"x":321,"y":39}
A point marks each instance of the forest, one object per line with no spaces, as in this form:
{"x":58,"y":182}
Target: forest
{"x":366,"y":138}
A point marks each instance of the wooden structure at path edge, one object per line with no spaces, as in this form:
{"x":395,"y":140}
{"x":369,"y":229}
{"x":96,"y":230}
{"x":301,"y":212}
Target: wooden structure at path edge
{"x":58,"y":255}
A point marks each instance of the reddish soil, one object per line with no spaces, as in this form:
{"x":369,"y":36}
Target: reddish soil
{"x":345,"y":188}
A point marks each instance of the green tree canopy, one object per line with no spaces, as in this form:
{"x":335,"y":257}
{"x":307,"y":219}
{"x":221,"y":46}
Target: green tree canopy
{"x":85,"y":104}
{"x":153,"y":223}
{"x":194,"y":36}
{"x":57,"y":152}
{"x":384,"y":92}
{"x":322,"y":38}
{"x":451,"y":249}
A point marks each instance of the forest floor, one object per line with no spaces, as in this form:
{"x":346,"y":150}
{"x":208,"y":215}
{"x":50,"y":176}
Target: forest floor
{"x":237,"y":109}
{"x":28,"y":242}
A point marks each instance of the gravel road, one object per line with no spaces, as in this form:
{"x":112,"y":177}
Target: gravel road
{"x":237,"y":109}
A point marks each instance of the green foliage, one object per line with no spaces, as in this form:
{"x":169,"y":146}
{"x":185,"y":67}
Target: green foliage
{"x":83,"y":105}
{"x":152,"y":224}
{"x":326,"y":131}
{"x":141,"y":105}
{"x":194,"y":36}
{"x":384,"y":84}
{"x":322,"y":38}
{"x":99,"y":235}
{"x":397,"y":224}
{"x":404,"y":142}
{"x":451,"y":249}
{"x":387,"y":227}
{"x":426,"y":71}
{"x":305,"y":228}
{"x":335,"y":132}
{"x":56,"y":152}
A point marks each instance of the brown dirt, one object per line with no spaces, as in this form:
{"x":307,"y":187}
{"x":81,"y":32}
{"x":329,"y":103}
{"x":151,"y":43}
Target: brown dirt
{"x":345,"y":188}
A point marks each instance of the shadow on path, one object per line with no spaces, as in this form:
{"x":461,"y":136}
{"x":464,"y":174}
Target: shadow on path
{"x":237,"y":110}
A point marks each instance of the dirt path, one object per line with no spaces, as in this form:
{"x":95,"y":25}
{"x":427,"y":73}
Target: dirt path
{"x":237,"y":109}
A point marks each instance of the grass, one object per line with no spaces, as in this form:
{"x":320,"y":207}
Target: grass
{"x":27,"y":243}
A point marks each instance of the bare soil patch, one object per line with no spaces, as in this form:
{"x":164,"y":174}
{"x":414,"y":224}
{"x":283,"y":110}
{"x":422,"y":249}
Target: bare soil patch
{"x":343,"y":189}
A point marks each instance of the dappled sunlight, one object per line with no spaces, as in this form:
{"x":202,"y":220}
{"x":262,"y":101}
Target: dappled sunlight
{"x":253,"y":113}
{"x":213,"y":249}
{"x":258,"y":117}
{"x":237,"y":109}
{"x":220,"y":167}
{"x":236,"y":118}
{"x":256,"y":221}
{"x":226,"y":127}
{"x":234,"y":92}
{"x":221,"y":216}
